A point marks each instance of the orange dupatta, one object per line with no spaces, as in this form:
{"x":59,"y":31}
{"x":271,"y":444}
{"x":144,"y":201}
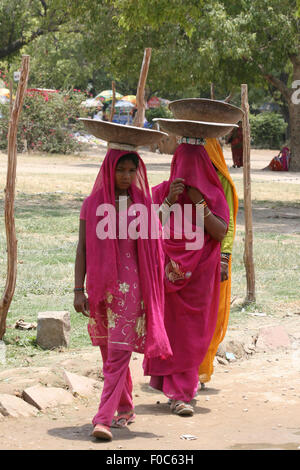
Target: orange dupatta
{"x":206,"y":369}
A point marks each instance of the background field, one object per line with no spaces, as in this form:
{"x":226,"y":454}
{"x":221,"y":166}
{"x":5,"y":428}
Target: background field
{"x":50,"y":190}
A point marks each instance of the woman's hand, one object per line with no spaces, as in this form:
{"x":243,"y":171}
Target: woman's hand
{"x":224,"y":271}
{"x":176,"y":188}
{"x":194,"y":194}
{"x":81,"y":304}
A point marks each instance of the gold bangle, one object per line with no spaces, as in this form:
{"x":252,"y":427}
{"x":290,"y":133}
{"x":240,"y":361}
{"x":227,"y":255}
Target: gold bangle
{"x":209,"y":213}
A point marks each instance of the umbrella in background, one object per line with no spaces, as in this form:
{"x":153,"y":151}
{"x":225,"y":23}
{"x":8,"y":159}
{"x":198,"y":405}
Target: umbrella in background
{"x":130,"y":98}
{"x":92,"y":103}
{"x":4,"y":92}
{"x":124,"y":104}
{"x":107,"y":95}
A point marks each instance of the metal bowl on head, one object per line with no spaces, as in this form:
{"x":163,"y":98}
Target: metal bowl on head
{"x":202,"y":109}
{"x":197,"y":129}
{"x":120,"y":134}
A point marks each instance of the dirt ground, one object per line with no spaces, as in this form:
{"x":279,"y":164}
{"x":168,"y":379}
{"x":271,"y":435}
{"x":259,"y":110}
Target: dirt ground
{"x":252,"y":403}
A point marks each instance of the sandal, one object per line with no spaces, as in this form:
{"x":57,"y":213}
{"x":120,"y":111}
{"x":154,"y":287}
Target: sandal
{"x":123,"y":419}
{"x":102,"y":432}
{"x":181,"y":408}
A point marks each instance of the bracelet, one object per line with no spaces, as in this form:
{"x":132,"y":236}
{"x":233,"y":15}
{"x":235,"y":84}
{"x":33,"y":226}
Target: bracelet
{"x":167,"y":202}
{"x":200,"y":202}
{"x":78,"y":289}
{"x":206,"y":215}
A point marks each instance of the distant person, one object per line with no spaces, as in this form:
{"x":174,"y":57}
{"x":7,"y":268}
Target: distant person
{"x":235,"y":138}
{"x":280,"y":162}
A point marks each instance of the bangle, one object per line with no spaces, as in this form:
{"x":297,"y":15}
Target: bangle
{"x":168,"y":202}
{"x":202,"y":201}
{"x":209,"y":213}
{"x":78,"y":289}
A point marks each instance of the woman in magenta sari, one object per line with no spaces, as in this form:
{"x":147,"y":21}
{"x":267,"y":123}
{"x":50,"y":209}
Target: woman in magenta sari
{"x":124,"y":307}
{"x":192,"y":277}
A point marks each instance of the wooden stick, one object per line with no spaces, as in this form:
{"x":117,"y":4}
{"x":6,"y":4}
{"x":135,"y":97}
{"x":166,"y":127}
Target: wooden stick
{"x":140,"y":94}
{"x":248,"y":249}
{"x":10,"y":197}
{"x":212,"y":91}
{"x":112,"y":111}
{"x":228,"y":98}
{"x":10,"y":97}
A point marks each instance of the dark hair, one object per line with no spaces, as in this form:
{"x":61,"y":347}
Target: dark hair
{"x":129,"y":156}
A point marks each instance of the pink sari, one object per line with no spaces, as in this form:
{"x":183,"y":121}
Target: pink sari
{"x":191,"y":300}
{"x":103,"y":257}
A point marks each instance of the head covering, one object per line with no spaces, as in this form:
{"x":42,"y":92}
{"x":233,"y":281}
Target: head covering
{"x":192,"y":163}
{"x":192,"y":300}
{"x":102,"y":255}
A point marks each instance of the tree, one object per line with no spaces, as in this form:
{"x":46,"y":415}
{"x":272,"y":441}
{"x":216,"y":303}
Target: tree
{"x":23,"y":21}
{"x":251,"y":41}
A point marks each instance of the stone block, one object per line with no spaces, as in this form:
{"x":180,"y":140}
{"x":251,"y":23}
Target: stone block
{"x":15,"y":407}
{"x":53,"y":329}
{"x":80,"y":385}
{"x":272,"y":337}
{"x":47,"y":397}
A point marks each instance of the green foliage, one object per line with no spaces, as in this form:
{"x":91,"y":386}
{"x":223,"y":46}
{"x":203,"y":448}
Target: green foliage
{"x":47,"y":123}
{"x":22,"y":21}
{"x":268,"y":130}
{"x":161,"y":112}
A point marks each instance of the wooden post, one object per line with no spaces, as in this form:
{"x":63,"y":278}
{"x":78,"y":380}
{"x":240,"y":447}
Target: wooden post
{"x":212,"y":91}
{"x":112,"y":111}
{"x":10,"y":97}
{"x":10,"y":197}
{"x":140,"y":94}
{"x":248,"y":250}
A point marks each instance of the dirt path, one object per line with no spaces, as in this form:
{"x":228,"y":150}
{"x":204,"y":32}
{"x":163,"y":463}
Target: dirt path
{"x":249,"y":404}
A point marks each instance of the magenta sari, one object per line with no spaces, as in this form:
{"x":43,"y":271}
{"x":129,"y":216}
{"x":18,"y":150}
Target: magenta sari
{"x":192,"y":296}
{"x":103,"y":258}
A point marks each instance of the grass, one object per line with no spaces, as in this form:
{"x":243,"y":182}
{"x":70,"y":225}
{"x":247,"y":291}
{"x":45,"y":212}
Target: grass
{"x":47,"y":228}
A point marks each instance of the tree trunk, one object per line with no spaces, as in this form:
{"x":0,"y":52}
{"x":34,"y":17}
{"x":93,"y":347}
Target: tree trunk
{"x":294,"y":109}
{"x":295,"y":136}
{"x":10,"y":198}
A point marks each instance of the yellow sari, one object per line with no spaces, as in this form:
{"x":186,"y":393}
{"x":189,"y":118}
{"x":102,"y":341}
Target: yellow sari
{"x":206,"y":369}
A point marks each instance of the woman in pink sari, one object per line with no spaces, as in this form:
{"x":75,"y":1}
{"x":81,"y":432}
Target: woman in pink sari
{"x":124,"y":307}
{"x":192,"y":277}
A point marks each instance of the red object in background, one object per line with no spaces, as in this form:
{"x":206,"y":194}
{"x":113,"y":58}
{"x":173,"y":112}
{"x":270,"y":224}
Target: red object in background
{"x":154,"y":102}
{"x":42,"y":91}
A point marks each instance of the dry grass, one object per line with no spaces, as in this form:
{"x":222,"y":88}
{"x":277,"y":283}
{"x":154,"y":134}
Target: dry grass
{"x":50,"y":190}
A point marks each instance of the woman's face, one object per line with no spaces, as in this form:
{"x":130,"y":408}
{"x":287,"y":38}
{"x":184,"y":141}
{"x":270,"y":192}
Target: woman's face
{"x":125,"y":174}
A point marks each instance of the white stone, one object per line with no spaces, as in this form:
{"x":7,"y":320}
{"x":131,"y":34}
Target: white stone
{"x":15,"y":407}
{"x":80,"y":385}
{"x":53,"y":329}
{"x":272,"y":337}
{"x":47,"y":397}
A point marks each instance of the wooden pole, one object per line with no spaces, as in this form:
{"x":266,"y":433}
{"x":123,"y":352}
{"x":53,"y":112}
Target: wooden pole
{"x":212,"y":91}
{"x":10,"y":97}
{"x":248,"y":249}
{"x":112,"y":111}
{"x":140,"y":94}
{"x":10,"y":197}
{"x":228,"y":98}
